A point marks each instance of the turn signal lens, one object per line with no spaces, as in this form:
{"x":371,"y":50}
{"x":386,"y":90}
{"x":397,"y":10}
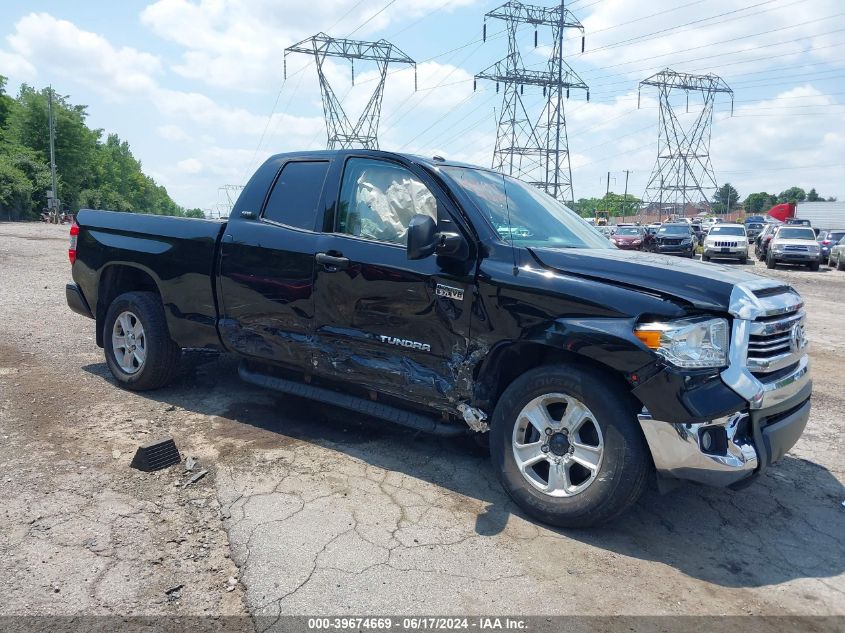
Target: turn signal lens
{"x":651,"y":338}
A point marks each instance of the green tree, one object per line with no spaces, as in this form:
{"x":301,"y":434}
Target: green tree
{"x":725,"y":199}
{"x":813,"y":196}
{"x":761,"y":202}
{"x":793,"y":194}
{"x":15,"y":191}
{"x":91,"y":172}
{"x":194,"y":213}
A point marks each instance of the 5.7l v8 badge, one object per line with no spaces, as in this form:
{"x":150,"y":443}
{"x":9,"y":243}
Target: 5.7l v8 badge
{"x":450,"y":292}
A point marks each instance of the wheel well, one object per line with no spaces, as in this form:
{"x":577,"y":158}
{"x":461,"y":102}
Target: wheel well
{"x":114,"y":281}
{"x":509,"y":362}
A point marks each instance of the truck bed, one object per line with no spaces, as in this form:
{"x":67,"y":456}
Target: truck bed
{"x":176,"y":254}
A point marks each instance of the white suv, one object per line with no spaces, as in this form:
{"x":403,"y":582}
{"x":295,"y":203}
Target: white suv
{"x":794,"y":245}
{"x":728,"y":241}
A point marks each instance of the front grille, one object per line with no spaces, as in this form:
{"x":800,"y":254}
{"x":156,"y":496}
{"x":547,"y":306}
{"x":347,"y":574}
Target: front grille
{"x":725,"y":244}
{"x":671,"y":242}
{"x":795,"y":248}
{"x":775,"y":343}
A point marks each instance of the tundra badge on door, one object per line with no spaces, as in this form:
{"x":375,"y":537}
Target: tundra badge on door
{"x":403,"y":342}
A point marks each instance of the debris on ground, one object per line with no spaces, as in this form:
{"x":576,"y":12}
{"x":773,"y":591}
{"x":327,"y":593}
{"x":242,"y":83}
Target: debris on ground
{"x":189,"y":464}
{"x":195,"y":478}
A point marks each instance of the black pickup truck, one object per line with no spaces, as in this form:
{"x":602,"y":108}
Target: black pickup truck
{"x":454,"y":300}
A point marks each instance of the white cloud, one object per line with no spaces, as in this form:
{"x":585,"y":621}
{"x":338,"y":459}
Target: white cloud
{"x":238,"y":44}
{"x":17,"y":67}
{"x":42,"y":40}
{"x":172,"y":133}
{"x":190,"y":166}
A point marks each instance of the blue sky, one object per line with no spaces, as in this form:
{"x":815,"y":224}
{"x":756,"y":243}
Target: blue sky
{"x":196,"y":86}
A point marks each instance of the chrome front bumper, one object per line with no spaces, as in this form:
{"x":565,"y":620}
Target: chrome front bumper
{"x":678,"y":452}
{"x":777,"y":388}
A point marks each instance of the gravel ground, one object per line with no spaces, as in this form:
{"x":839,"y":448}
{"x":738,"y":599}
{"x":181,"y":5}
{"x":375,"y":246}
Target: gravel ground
{"x":307,"y":509}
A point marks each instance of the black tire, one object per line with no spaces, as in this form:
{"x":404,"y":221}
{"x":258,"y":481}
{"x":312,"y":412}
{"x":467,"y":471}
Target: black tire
{"x":162,"y":354}
{"x":840,"y":265}
{"x":705,"y":257}
{"x":625,"y":465}
{"x":743,"y":260}
{"x":814,"y":266}
{"x":770,"y":262}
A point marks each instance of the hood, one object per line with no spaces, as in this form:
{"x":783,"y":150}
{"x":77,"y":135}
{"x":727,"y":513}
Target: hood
{"x":627,"y":238}
{"x":674,"y":236}
{"x":705,"y":286}
{"x":808,"y":243}
{"x":713,"y":237}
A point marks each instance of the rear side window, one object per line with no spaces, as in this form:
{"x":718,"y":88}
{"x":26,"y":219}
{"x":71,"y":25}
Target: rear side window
{"x":296,"y":194}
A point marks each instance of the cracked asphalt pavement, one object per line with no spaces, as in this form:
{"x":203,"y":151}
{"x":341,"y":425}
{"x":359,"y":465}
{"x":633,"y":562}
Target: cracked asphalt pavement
{"x":308,"y":509}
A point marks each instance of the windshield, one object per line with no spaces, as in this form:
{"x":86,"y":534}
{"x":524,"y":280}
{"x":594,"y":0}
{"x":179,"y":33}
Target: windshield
{"x":796,"y":234}
{"x":522,"y":214}
{"x":727,"y":230}
{"x":755,"y":226}
{"x":628,"y":230}
{"x":835,"y":236}
{"x":674,"y":229}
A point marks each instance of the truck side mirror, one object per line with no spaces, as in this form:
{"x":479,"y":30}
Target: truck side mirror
{"x":422,"y":237}
{"x":424,"y":240}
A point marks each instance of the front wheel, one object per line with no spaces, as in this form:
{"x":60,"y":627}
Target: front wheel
{"x":138,"y":348}
{"x":770,"y":262}
{"x":566,"y":449}
{"x":814,"y":266}
{"x":840,"y":265}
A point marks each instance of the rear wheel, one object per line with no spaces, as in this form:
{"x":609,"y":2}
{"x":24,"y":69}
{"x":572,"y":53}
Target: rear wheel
{"x":137,"y":344}
{"x":567,"y":450}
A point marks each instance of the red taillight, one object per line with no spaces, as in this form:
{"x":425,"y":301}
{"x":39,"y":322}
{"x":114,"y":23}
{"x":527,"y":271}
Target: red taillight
{"x":71,"y":250}
{"x":826,"y":242}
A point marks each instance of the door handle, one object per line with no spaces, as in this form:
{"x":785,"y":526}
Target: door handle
{"x":332,"y":263}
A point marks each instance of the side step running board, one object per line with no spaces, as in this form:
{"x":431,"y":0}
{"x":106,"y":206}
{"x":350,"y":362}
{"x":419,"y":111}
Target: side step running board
{"x":367,"y":407}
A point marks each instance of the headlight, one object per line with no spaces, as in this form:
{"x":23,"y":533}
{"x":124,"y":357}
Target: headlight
{"x":814,"y":248}
{"x":777,"y":248}
{"x":692,"y":343}
{"x":638,"y":241}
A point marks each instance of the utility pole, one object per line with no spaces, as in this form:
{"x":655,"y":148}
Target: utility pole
{"x":53,"y":206}
{"x":607,"y":195}
{"x":625,"y":195}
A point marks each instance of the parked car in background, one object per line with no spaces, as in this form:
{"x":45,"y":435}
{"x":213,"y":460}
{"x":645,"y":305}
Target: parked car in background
{"x":753,"y":229}
{"x":755,"y":219}
{"x":798,"y":222}
{"x":629,"y":238}
{"x":699,"y":231}
{"x":726,"y":241}
{"x":827,"y":240}
{"x":675,"y":239}
{"x":836,"y":259}
{"x":761,"y":244}
{"x":794,"y":245}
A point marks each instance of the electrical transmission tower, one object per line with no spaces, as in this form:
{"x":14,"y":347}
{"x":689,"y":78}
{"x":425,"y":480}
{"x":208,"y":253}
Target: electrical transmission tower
{"x":230,"y":194}
{"x":535,"y":148}
{"x":342,"y":134}
{"x":683,"y":170}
